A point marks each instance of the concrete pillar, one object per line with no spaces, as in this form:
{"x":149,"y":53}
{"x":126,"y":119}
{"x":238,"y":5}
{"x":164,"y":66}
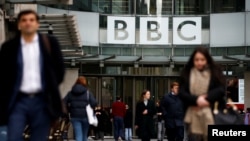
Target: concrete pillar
{"x":70,"y":77}
{"x":247,"y":90}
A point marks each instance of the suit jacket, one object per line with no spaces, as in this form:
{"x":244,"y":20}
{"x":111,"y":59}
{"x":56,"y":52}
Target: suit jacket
{"x":52,"y":72}
{"x":173,"y":112}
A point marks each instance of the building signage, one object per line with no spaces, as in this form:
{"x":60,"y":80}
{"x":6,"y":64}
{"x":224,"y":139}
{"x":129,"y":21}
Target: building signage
{"x":154,"y":30}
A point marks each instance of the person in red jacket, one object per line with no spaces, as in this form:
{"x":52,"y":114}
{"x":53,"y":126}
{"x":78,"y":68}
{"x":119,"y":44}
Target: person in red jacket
{"x":118,"y":113}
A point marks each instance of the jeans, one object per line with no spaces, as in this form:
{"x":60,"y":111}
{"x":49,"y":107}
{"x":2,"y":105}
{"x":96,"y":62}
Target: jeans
{"x":128,"y":134}
{"x":118,"y":127}
{"x":161,"y":130}
{"x":31,"y":111}
{"x":81,"y":127}
{"x":3,"y":133}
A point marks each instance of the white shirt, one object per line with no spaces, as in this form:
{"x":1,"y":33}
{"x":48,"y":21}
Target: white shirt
{"x":31,"y":80}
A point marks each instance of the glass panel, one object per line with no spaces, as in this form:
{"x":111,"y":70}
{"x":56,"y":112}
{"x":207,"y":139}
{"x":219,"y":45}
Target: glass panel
{"x":138,"y":51}
{"x":154,"y":7}
{"x":161,"y":88}
{"x":248,"y":27}
{"x":236,"y":50}
{"x":185,"y":7}
{"x":127,"y":51}
{"x":111,"y":51}
{"x":90,"y":50}
{"x":247,"y":5}
{"x":102,"y":6}
{"x":189,"y":51}
{"x":122,"y":7}
{"x":226,"y":6}
{"x":219,"y":51}
{"x":248,"y":50}
{"x":153,"y":51}
{"x":128,"y":91}
{"x":179,"y":52}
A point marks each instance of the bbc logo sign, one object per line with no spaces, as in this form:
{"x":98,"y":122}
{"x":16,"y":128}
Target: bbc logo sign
{"x":154,"y":30}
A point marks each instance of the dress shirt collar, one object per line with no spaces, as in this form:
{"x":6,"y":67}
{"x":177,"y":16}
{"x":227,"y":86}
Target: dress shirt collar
{"x":35,"y":39}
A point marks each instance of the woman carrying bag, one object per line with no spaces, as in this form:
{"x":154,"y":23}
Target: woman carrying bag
{"x":202,"y":84}
{"x":77,"y":100}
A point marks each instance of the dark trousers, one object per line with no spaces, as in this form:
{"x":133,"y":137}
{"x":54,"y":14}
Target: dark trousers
{"x":175,"y":134}
{"x":118,"y":127}
{"x":32,"y":111}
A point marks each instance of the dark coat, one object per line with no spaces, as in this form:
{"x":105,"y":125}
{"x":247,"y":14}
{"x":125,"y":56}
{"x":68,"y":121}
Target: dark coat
{"x":216,"y":92}
{"x":173,"y":112}
{"x":159,"y":110}
{"x":103,"y":120}
{"x":145,"y":122}
{"x":77,"y":100}
{"x":52,"y":73}
{"x":128,"y":119}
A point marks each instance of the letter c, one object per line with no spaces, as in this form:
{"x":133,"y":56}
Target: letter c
{"x":180,"y":27}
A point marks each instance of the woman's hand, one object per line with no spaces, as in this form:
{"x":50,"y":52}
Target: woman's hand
{"x":202,"y":102}
{"x":136,"y":126}
{"x":145,"y":112}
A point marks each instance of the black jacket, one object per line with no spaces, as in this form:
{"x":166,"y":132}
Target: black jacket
{"x":173,"y":112}
{"x":52,"y":73}
{"x":76,"y":101}
{"x":145,"y":122}
{"x":159,"y":110}
{"x":128,"y":119}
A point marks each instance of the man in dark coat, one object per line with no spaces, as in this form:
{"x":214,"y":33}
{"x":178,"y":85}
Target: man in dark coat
{"x":31,"y":71}
{"x":173,"y":114}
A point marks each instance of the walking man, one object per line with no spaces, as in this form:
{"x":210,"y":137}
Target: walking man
{"x":118,"y":113}
{"x":32,"y":66}
{"x":173,"y":114}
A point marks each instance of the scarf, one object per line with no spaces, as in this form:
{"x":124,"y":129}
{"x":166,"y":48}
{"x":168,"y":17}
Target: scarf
{"x":197,"y":118}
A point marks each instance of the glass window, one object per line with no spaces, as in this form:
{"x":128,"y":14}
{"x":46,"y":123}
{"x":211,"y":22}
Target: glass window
{"x":236,"y":50}
{"x":111,"y":51}
{"x":186,"y":7}
{"x":189,"y":51}
{"x":102,"y":6}
{"x":127,"y":51}
{"x":90,"y":50}
{"x":226,"y":6}
{"x":153,"y":51}
{"x":179,"y":51}
{"x":219,"y":51}
{"x":154,"y":7}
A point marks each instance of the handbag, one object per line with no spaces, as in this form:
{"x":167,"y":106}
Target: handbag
{"x":228,"y":115}
{"x":91,"y":114}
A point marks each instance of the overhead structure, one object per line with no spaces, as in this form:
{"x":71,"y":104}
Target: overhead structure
{"x":41,"y":1}
{"x":64,"y":27}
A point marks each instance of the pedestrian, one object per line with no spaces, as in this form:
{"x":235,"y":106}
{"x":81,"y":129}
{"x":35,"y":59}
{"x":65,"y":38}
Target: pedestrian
{"x":145,"y":111}
{"x":118,"y":113}
{"x":31,"y":71}
{"x":160,"y":122}
{"x":76,"y":100}
{"x":102,"y":120}
{"x":128,"y":124}
{"x":173,"y":114}
{"x":247,"y":117}
{"x":202,"y":84}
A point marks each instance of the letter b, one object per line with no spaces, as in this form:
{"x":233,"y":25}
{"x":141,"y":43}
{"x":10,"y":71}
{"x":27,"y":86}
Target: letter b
{"x":120,"y":27}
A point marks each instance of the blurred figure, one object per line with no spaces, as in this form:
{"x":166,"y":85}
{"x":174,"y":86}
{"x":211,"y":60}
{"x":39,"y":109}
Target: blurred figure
{"x":145,"y":111}
{"x":232,"y":90}
{"x":160,"y":122}
{"x":202,"y":83}
{"x":30,"y":95}
{"x":77,"y":100}
{"x":128,"y":124}
{"x":173,"y":114}
{"x":102,"y":120}
{"x":247,"y":117}
{"x":118,"y":113}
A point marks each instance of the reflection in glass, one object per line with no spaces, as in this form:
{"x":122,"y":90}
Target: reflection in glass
{"x":223,"y":6}
{"x":185,"y":7}
{"x":154,"y":7}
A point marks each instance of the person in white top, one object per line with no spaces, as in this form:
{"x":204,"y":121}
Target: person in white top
{"x":31,"y":71}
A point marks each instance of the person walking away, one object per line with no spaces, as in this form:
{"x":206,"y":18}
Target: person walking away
{"x":160,"y":122}
{"x":145,"y":111}
{"x":202,"y":83}
{"x":128,"y":124}
{"x":33,"y":65}
{"x":118,"y":113}
{"x":173,"y":114}
{"x":102,"y":119}
{"x":76,"y":100}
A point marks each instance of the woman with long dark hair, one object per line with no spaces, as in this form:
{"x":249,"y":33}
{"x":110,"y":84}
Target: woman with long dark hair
{"x":145,"y":110}
{"x":202,"y":83}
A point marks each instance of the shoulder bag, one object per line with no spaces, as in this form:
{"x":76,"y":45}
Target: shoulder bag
{"x":91,"y":114}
